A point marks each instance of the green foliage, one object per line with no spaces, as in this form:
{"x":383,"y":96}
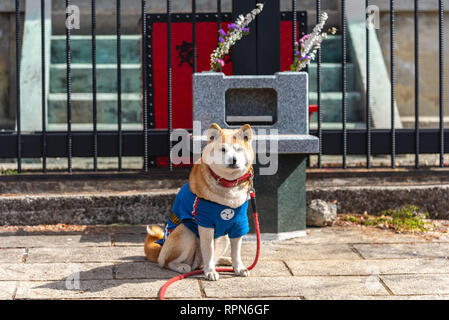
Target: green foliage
{"x":8,"y":172}
{"x":409,"y":218}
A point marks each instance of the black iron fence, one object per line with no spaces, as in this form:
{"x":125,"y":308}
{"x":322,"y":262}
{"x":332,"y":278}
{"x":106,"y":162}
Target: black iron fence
{"x":152,"y":142}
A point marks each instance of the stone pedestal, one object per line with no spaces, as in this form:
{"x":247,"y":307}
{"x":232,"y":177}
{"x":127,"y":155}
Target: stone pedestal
{"x":277,"y":108}
{"x":281,"y":198}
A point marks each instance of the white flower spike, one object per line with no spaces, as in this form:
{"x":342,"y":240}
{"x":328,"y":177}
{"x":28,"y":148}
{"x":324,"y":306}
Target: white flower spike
{"x":235,"y":32}
{"x":306,"y":48}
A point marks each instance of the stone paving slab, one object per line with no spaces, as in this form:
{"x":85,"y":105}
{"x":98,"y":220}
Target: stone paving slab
{"x":142,"y":270}
{"x":11,"y":255}
{"x":356,"y":235}
{"x":325,"y":264}
{"x":140,"y":289}
{"x":7,"y":289}
{"x":55,"y":271}
{"x":411,"y":297}
{"x":369,"y":267}
{"x":403,"y":251}
{"x":265,"y":298}
{"x":275,"y":251}
{"x":148,"y":270}
{"x":417,"y":284}
{"x":268,"y":268}
{"x":34,"y":241}
{"x":289,"y":286}
{"x":127,"y":239}
{"x":90,"y":254}
{"x":132,"y":229}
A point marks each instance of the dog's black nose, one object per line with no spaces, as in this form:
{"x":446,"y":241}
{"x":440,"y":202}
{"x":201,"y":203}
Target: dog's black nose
{"x":234,"y":160}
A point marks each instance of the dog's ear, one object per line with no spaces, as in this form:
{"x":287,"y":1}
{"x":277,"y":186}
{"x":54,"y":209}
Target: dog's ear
{"x":245,"y":133}
{"x":214,"y":132}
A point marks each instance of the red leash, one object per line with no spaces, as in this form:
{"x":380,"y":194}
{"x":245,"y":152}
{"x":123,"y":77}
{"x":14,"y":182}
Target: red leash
{"x":192,"y":273}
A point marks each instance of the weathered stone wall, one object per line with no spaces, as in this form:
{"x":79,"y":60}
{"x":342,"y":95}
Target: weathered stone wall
{"x":4,"y":66}
{"x":7,"y":64}
{"x":130,"y":11}
{"x":428,"y":62}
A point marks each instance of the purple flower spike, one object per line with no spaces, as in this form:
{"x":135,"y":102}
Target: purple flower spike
{"x":222,"y":32}
{"x":232,"y":26}
{"x":305,"y":57}
{"x":222,"y":39}
{"x":245,"y":29}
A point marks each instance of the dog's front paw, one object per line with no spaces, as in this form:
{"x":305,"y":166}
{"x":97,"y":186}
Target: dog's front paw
{"x":243,"y":272}
{"x":211,"y":276}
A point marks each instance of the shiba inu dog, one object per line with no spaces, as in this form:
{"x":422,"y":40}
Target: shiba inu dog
{"x":210,"y":209}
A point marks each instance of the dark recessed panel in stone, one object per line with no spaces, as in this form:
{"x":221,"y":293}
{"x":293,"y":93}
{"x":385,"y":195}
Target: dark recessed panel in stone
{"x":251,"y":105}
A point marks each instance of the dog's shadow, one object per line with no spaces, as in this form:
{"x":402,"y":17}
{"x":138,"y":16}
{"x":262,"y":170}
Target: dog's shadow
{"x":135,"y":270}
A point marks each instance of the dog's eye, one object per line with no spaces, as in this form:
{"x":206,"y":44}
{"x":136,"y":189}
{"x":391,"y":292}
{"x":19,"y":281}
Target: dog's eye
{"x":223,"y":149}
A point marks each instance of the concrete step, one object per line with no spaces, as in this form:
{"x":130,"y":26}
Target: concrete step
{"x":331,"y":75}
{"x":106,"y":78}
{"x":81,"y":49}
{"x":331,"y":103}
{"x":424,"y":121}
{"x":132,"y":207}
{"x":81,"y":104}
{"x":131,"y":107}
{"x":335,"y":125}
{"x":146,"y":200}
{"x":331,"y":49}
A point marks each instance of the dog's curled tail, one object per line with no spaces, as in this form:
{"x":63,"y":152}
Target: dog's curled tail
{"x":151,"y":248}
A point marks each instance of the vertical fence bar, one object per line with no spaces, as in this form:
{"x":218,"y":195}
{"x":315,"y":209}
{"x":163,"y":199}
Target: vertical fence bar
{"x":294,"y":40}
{"x":44,"y":112}
{"x":294,"y":27}
{"x":119,"y":84}
{"x":344,"y":80}
{"x":194,"y":33}
{"x":441,"y":76}
{"x":416,"y":34}
{"x":94,"y":83}
{"x":169,"y":82}
{"x":19,"y":126}
{"x":318,"y":89}
{"x":218,"y":14}
{"x":368,"y":91}
{"x":218,"y":22}
{"x":69,"y":90}
{"x":144,"y":84}
{"x":393,"y":79}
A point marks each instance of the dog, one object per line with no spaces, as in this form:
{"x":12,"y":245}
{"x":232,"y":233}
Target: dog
{"x":210,"y":210}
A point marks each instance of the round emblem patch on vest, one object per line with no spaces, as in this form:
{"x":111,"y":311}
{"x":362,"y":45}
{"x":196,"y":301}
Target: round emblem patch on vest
{"x":227,"y":214}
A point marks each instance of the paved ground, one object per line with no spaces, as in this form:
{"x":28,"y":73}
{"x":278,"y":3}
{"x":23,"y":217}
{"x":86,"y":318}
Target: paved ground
{"x":330,"y":263}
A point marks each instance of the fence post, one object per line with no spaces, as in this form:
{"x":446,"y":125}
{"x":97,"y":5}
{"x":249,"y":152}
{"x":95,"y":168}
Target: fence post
{"x":269,"y":38}
{"x":244,"y":55}
{"x":259,"y":52}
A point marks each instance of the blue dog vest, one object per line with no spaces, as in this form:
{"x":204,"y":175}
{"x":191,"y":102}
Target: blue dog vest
{"x":193,"y":211}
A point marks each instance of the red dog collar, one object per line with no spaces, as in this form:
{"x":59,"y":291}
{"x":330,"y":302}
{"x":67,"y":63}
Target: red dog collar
{"x":231,"y":183}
